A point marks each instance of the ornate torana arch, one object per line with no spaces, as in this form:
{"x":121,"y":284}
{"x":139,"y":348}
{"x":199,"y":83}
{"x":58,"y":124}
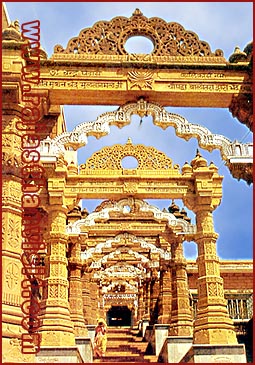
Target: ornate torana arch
{"x":109,"y":38}
{"x":122,"y":270}
{"x":119,"y":206}
{"x":116,"y":255}
{"x":125,"y":237}
{"x":230,"y":151}
{"x":148,"y":158}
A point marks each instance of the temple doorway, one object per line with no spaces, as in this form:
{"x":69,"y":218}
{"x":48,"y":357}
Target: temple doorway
{"x":119,"y":316}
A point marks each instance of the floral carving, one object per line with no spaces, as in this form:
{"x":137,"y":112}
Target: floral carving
{"x":14,"y":233}
{"x":110,"y":158}
{"x":109,"y":38}
{"x":12,"y":275}
{"x":140,"y":79}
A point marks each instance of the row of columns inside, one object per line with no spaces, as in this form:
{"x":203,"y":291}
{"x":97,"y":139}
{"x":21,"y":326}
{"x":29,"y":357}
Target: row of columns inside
{"x":164,"y":301}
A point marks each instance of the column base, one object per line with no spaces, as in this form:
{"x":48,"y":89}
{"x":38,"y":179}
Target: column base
{"x":161,"y":333}
{"x":12,"y":352}
{"x":164,"y":319}
{"x":174,"y":349}
{"x":91,"y":328}
{"x":216,"y":354}
{"x":145,"y":323}
{"x":60,"y":354}
{"x":85,"y":347}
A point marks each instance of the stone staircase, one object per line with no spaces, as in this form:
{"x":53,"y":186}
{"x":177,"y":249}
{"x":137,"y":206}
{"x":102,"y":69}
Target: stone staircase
{"x":124,"y":345}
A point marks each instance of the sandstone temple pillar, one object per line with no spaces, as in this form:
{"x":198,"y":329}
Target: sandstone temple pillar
{"x":154,"y":295}
{"x":181,"y":318}
{"x":75,"y":288}
{"x":11,"y":241}
{"x":57,"y":328}
{"x":147,"y":297}
{"x":140,"y":303}
{"x":87,"y":307}
{"x":165,"y":292}
{"x":94,"y":295}
{"x":212,"y":324}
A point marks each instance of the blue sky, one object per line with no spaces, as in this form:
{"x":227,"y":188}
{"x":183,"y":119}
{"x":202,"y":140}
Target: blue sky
{"x":224,"y":25}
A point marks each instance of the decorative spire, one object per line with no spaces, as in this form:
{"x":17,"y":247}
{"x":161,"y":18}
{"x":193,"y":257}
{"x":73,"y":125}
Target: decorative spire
{"x":12,"y":32}
{"x":198,"y":153}
{"x":238,"y":56}
{"x":137,"y":12}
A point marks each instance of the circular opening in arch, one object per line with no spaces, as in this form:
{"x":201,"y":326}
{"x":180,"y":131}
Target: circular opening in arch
{"x":126,"y":209}
{"x":139,"y":44}
{"x":129,"y":162}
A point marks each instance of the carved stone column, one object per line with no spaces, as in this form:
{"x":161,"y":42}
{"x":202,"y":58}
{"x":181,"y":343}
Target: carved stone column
{"x":11,"y":242}
{"x":212,"y":324}
{"x":181,"y":317}
{"x":94,"y":295}
{"x":87,"y":310}
{"x":57,"y":328}
{"x":140,"y":303}
{"x":154,"y":295}
{"x":165,"y":293}
{"x":75,"y":288}
{"x":147,"y":298}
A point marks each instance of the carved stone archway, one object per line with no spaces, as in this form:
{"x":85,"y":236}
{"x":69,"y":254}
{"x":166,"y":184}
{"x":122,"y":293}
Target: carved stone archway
{"x":238,"y":156}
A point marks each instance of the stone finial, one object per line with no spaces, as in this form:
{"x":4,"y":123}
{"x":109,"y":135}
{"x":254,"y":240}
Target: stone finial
{"x":137,"y":12}
{"x":129,"y":141}
{"x":12,"y":32}
{"x":238,"y":56}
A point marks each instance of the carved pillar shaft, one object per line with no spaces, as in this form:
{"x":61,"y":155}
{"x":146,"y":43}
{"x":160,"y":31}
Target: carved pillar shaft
{"x":144,"y":300}
{"x":147,"y":300}
{"x":154,"y":304}
{"x":57,"y":327}
{"x":181,"y":318}
{"x":12,"y":276}
{"x":140,"y":304}
{"x":94,"y":295}
{"x":87,"y":311}
{"x":165,"y":295}
{"x":212,"y":323}
{"x":75,"y":289}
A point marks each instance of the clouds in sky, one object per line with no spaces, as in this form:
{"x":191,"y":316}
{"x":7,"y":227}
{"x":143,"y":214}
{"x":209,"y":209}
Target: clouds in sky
{"x":224,"y":25}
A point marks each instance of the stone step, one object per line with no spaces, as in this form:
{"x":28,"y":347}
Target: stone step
{"x":151,"y":358}
{"x":123,"y":345}
{"x":117,"y":358}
